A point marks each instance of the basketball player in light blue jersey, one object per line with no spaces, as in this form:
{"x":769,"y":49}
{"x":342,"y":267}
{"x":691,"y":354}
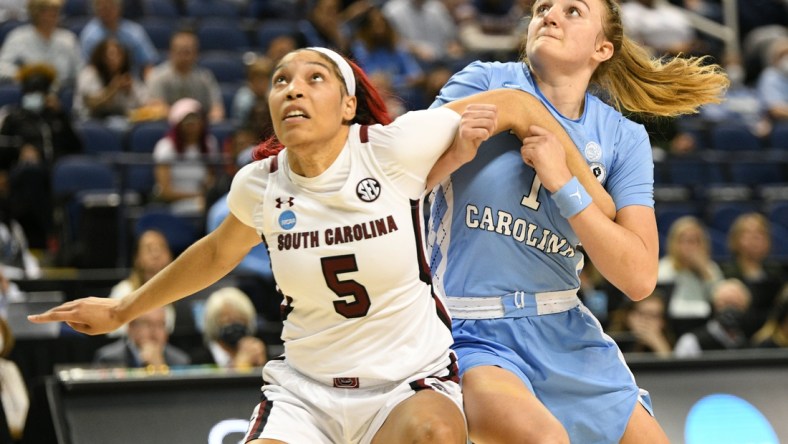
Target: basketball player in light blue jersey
{"x":505,"y":230}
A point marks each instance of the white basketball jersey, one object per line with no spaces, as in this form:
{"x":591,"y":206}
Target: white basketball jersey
{"x":350,"y":262}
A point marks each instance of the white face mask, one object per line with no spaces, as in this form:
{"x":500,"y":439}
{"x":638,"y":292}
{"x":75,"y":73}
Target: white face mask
{"x":33,"y":102}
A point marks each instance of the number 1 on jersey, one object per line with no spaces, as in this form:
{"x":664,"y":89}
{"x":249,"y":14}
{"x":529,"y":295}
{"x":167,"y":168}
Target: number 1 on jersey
{"x":531,"y":200}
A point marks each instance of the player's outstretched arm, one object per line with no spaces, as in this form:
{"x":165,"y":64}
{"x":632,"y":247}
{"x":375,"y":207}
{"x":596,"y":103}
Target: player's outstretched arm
{"x":518,"y":111}
{"x":202,"y":264}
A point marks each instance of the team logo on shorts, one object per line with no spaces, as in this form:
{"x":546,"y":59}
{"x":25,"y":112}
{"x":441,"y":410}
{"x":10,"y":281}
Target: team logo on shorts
{"x":368,"y":189}
{"x":287,"y":220}
{"x":593,"y":152}
{"x":348,"y":383}
{"x":599,"y":171}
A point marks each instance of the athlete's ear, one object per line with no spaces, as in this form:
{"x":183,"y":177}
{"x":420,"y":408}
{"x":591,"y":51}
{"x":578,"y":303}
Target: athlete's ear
{"x":348,"y":108}
{"x":604,"y":50}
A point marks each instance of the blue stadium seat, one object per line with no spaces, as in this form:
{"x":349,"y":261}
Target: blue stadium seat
{"x":76,"y":7}
{"x":97,"y":138}
{"x":757,"y":172}
{"x":10,"y":94}
{"x":180,"y":231}
{"x":222,"y":35}
{"x":694,"y":172}
{"x":160,"y":8}
{"x":777,"y":213}
{"x":778,"y":139}
{"x":144,"y":135}
{"x":226,"y":66}
{"x":211,"y":8}
{"x":732,"y":137}
{"x":268,"y":30}
{"x":159,"y":29}
{"x":720,"y":215}
{"x":75,"y":173}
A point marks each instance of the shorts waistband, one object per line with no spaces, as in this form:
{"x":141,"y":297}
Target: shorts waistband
{"x":513,"y":305}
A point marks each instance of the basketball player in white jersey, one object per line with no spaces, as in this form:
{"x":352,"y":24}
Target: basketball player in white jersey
{"x":367,"y":355}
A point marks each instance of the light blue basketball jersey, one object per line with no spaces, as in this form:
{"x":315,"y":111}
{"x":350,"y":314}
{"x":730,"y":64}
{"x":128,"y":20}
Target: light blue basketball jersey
{"x":494,"y":229}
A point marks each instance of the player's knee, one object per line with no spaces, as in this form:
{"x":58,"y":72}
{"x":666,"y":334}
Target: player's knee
{"x":435,"y":430}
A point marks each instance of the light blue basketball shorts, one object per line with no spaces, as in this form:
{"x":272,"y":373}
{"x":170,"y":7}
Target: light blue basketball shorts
{"x":566,"y":360}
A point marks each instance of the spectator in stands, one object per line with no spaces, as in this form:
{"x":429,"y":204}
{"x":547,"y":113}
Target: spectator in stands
{"x":659,"y":26}
{"x":492,"y":28}
{"x":151,"y":255}
{"x":773,"y":81}
{"x":13,"y":389}
{"x":774,"y":333}
{"x":185,"y":158}
{"x":641,"y":326}
{"x":688,"y":267}
{"x":377,"y":48}
{"x":106,"y":88}
{"x":229,"y":326}
{"x":108,"y":22}
{"x":42,"y":41}
{"x":34,"y":134}
{"x":254,"y":93}
{"x":180,"y":77}
{"x":749,"y":241}
{"x":427,"y":28}
{"x":327,"y":25}
{"x":724,"y":331}
{"x":146,"y":343}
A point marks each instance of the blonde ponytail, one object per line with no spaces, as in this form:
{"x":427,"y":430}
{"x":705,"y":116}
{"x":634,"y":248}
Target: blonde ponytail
{"x":639,"y":83}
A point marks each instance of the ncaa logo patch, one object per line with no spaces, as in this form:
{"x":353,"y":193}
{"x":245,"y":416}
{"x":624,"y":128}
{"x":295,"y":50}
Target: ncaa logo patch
{"x":368,"y":189}
{"x":287,"y":220}
{"x":593,"y":151}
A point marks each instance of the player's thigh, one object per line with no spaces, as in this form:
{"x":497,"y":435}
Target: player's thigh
{"x":643,"y":428}
{"x":427,"y":416}
{"x":501,"y":409}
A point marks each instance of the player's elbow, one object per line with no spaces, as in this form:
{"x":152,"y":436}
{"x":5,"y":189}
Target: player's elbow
{"x":640,"y":287}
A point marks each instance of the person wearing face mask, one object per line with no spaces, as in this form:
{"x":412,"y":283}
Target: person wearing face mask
{"x":773,"y":81}
{"x":229,"y":325}
{"x":724,"y":331}
{"x":34,"y":134}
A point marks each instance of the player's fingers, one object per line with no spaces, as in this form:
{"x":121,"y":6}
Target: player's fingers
{"x":63,"y":312}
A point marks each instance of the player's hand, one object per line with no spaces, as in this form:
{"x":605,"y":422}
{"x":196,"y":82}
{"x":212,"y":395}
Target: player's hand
{"x":477,"y":124}
{"x":93,"y":316}
{"x":542,"y":152}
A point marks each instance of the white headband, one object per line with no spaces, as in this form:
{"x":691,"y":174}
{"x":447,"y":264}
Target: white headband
{"x":343,"y":65}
